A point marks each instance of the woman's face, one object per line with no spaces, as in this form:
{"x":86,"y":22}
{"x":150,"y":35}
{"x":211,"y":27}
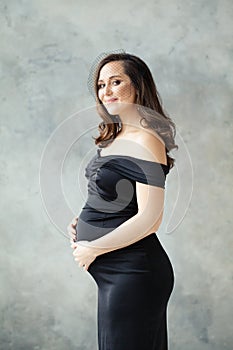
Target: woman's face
{"x":115,"y":89}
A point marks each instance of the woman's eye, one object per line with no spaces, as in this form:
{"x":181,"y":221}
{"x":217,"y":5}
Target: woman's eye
{"x":117,"y":82}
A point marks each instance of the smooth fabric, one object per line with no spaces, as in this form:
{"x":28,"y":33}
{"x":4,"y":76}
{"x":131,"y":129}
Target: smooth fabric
{"x":112,"y":196}
{"x":136,"y":281}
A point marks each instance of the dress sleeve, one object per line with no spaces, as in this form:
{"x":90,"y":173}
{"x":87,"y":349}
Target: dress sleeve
{"x":140,"y":170}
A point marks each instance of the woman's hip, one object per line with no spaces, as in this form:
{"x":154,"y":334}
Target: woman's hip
{"x":145,"y":257}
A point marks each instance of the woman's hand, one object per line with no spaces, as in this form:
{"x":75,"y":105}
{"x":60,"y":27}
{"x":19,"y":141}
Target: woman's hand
{"x":71,"y":228}
{"x":84,"y":255}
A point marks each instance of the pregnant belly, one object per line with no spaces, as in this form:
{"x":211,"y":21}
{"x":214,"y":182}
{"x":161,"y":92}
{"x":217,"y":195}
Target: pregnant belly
{"x":92,"y":225}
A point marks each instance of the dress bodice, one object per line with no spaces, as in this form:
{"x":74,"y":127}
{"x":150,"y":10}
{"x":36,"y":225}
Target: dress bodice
{"x":112,"y":191}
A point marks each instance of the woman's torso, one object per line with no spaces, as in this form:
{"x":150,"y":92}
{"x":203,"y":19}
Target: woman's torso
{"x":111,"y":188}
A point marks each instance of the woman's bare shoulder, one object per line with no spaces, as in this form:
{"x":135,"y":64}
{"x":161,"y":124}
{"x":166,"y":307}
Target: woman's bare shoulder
{"x":150,"y":146}
{"x":145,"y":145}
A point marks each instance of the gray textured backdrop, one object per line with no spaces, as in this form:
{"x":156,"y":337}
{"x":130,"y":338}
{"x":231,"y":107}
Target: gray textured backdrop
{"x":47,"y":47}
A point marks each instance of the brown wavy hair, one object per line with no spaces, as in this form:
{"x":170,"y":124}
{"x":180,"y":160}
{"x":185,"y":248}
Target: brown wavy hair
{"x":147,"y":99}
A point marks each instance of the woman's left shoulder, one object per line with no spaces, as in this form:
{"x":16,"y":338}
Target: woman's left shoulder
{"x":152,"y":146}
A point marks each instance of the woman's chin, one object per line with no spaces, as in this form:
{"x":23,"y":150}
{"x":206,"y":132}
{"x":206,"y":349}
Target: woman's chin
{"x":113,"y":110}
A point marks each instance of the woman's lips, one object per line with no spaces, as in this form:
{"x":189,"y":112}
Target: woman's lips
{"x":111,"y":100}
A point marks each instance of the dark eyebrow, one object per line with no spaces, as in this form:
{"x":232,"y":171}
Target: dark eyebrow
{"x":113,"y":76}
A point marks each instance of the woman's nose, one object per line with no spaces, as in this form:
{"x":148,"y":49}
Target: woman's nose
{"x":108,"y":90}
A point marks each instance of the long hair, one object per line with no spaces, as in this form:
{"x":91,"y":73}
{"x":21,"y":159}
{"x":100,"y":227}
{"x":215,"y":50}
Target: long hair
{"x":147,"y":99}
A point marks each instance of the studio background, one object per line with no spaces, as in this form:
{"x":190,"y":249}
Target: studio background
{"x":47,"y":49}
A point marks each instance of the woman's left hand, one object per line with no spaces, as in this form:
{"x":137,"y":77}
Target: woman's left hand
{"x":84,"y":255}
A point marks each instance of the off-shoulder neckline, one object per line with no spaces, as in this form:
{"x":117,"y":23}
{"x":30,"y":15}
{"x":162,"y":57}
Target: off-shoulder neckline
{"x":125,"y":156}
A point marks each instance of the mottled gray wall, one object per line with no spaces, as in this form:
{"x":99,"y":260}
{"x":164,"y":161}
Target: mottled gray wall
{"x":47,"y":47}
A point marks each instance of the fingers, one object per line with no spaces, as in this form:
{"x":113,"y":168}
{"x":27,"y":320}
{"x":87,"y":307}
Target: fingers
{"x":85,"y":267}
{"x":73,"y":236}
{"x":74,"y":221}
{"x":83,"y":263}
{"x":73,"y":244}
{"x":80,"y":263}
{"x":71,"y":228}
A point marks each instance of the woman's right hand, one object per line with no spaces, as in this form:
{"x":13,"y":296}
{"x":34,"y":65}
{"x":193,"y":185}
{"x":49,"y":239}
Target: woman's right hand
{"x":71,"y":228}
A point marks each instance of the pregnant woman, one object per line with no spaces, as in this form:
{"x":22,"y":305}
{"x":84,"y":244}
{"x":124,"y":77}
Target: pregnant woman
{"x":114,"y":238}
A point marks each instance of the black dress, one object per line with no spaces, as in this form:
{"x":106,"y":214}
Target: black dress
{"x":134,"y":282}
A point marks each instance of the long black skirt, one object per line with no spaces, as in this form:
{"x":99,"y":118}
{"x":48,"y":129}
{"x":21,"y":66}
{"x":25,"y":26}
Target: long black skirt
{"x":134,"y":286}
